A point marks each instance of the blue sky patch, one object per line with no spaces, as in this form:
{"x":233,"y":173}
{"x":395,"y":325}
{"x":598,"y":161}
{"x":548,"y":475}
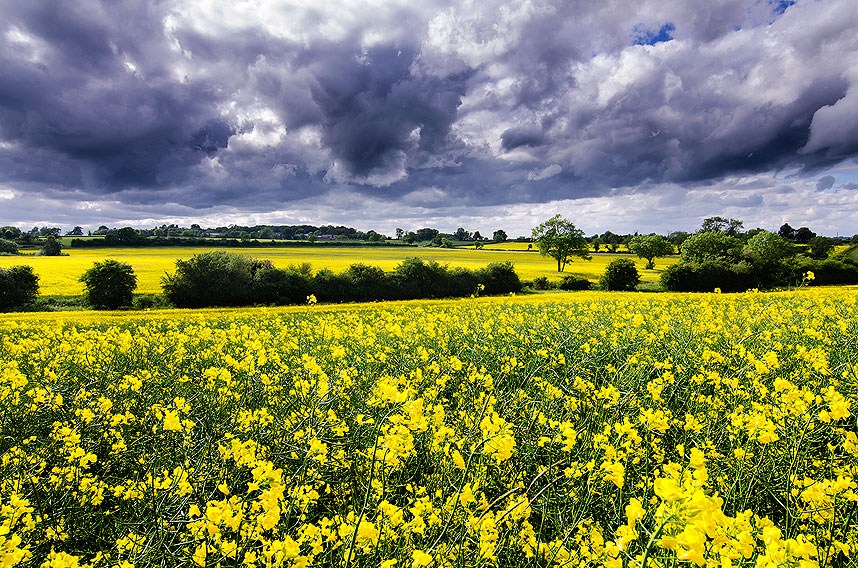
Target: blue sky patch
{"x":650,"y":37}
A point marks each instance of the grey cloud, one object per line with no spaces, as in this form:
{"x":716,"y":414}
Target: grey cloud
{"x":492,"y":103}
{"x":825,"y":182}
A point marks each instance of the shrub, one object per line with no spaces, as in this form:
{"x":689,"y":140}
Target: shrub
{"x":275,"y":286}
{"x":542,"y":283}
{"x":499,"y":278}
{"x":620,"y":275}
{"x":415,"y":279}
{"x":19,"y":286}
{"x":330,"y":287}
{"x":8,"y":247}
{"x":366,"y":283}
{"x":463,"y":282}
{"x":706,"y":276}
{"x":827,"y":272}
{"x":52,"y":247}
{"x":574,"y":283}
{"x":217,"y":278}
{"x":109,"y":285}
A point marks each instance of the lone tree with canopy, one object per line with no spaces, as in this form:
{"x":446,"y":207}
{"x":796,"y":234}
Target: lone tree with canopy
{"x":561,"y":240}
{"x":650,"y":247}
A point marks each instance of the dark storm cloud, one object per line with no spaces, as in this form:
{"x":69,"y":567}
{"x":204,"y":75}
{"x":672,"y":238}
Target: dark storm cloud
{"x":95,"y":96}
{"x":374,"y":110}
{"x":488,"y":103}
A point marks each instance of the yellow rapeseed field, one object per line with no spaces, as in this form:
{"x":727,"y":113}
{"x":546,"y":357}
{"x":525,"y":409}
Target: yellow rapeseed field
{"x":58,"y":275}
{"x":587,"y":430}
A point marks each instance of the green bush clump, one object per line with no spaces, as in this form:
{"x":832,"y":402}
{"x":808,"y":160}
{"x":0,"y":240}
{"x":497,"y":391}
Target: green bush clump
{"x":575,"y":283}
{"x":19,"y":286}
{"x":109,"y":285}
{"x":620,"y":275}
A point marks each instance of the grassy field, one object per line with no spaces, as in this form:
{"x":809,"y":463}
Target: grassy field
{"x":605,"y":430}
{"x":59,"y":275}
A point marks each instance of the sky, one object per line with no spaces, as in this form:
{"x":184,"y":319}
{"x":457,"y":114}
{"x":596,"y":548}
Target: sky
{"x":376,"y":114}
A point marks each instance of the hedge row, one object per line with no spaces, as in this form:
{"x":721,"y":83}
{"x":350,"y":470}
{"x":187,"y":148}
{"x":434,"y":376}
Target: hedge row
{"x":220,"y":278}
{"x":741,"y":276}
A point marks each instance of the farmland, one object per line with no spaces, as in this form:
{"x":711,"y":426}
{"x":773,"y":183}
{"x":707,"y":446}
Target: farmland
{"x":59,"y":275}
{"x":587,"y":429}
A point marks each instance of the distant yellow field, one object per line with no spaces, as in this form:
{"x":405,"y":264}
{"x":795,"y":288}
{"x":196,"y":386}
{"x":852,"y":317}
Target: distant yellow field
{"x":59,"y":275}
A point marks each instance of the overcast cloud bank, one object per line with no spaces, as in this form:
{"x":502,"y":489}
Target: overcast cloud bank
{"x":382,"y":113}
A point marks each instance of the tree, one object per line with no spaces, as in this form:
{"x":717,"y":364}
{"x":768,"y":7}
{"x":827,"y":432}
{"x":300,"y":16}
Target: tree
{"x":820,"y":247}
{"x":711,"y":245}
{"x":109,"y":285}
{"x":52,"y":246}
{"x":730,"y":226}
{"x":399,"y":233}
{"x":76,"y":232}
{"x":561,"y":240}
{"x":499,"y":236}
{"x":766,"y":248}
{"x":650,"y":247}
{"x":786,"y":232}
{"x":477,"y":236}
{"x":8,"y":247}
{"x":621,"y":275}
{"x":462,"y":235}
{"x":18,"y":286}
{"x":803,"y":235}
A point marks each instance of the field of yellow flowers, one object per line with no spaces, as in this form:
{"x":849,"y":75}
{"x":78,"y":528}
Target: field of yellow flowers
{"x":577,"y":430}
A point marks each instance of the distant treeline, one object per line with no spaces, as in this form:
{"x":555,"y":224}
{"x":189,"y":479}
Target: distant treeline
{"x":114,"y":241}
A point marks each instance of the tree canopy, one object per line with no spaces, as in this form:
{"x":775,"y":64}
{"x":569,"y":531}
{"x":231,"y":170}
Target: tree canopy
{"x":650,"y":247}
{"x":561,"y":240}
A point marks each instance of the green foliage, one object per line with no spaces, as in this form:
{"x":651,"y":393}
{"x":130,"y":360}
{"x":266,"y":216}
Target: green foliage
{"x":499,"y":236}
{"x":541,"y":283}
{"x":52,"y":246}
{"x":499,"y":278}
{"x":821,"y":247}
{"x":561,"y":240}
{"x":711,"y":246}
{"x":621,"y":275}
{"x":707,"y":276}
{"x":109,"y":285}
{"x":215,"y":278}
{"x":226,"y":279}
{"x":650,"y":247}
{"x":19,"y":286}
{"x":574,"y":283}
{"x":8,"y":247}
{"x":366,"y":283}
{"x":766,"y":248}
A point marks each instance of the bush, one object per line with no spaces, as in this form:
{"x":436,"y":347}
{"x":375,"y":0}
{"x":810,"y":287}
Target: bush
{"x":414,"y":279}
{"x":574,"y":283}
{"x":109,"y":285}
{"x":499,"y":278}
{"x":827,"y":272}
{"x":275,"y":286}
{"x":620,"y":275}
{"x":542,"y":283}
{"x":19,"y":286}
{"x":8,"y":247}
{"x":706,"y":276}
{"x":366,"y":283}
{"x":217,"y":278}
{"x":52,"y":247}
{"x":330,"y":287}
